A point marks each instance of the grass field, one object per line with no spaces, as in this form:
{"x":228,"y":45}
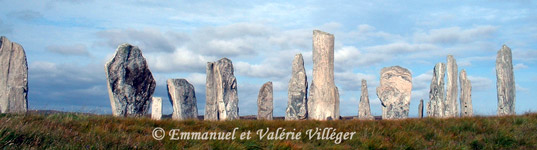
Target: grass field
{"x":87,"y":131}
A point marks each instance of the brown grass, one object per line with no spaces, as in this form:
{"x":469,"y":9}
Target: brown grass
{"x":86,"y":131}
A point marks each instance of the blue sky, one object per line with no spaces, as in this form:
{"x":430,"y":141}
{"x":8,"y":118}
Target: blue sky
{"x":67,"y":43}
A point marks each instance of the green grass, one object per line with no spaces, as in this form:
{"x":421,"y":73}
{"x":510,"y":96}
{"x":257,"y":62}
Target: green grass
{"x":85,"y":131}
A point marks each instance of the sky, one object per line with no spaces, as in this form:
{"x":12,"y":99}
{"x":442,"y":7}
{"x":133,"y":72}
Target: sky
{"x":67,"y":43}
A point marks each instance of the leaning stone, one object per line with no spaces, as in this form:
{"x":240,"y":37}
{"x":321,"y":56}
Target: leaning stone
{"x":451,"y":106}
{"x":505,"y":83}
{"x":364,"y":110}
{"x":222,"y":101}
{"x":324,"y":96}
{"x":183,"y":98}
{"x":466,"y":95}
{"x":265,"y":102}
{"x":156,"y":108}
{"x":13,"y":77}
{"x":130,"y":82}
{"x":394,"y":92}
{"x":297,"y":94}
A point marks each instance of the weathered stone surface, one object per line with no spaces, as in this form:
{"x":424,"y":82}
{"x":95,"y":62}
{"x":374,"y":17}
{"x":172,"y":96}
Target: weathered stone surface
{"x":451,"y":106}
{"x":265,"y":102}
{"x":130,"y":83}
{"x":435,"y":106}
{"x":364,"y":110}
{"x":183,"y":98}
{"x":466,"y":95}
{"x":394,"y":92}
{"x":13,"y":77}
{"x":156,"y":108}
{"x":323,"y":102}
{"x":222,"y":101}
{"x":420,"y":109}
{"x":298,"y":87}
{"x":505,"y":83}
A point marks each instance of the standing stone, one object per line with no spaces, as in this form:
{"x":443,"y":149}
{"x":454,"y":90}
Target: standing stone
{"x":364,"y":110}
{"x":14,"y":77}
{"x":156,"y":108}
{"x":435,"y":106}
{"x":130,"y":83}
{"x":222,"y":101}
{"x":183,"y":98}
{"x":420,"y":109}
{"x":451,"y":107}
{"x":394,"y":92}
{"x":324,"y":96}
{"x":505,"y":82}
{"x":265,"y":102}
{"x":466,"y":95}
{"x":298,"y":87}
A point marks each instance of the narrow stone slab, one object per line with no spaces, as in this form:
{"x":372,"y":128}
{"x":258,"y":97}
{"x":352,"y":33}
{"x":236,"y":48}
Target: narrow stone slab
{"x":420,"y":109}
{"x":451,"y":106}
{"x":13,"y":77}
{"x":435,"y":106}
{"x":130,"y":83}
{"x":222,"y":101}
{"x":394,"y":92}
{"x":324,"y":96}
{"x":505,"y":83}
{"x":298,"y":91}
{"x":265,"y":102}
{"x":466,"y":95}
{"x":156,"y":108}
{"x":183,"y":98}
{"x":364,"y":110}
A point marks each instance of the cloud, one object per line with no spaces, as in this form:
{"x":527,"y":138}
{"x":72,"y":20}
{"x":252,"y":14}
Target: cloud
{"x":151,"y":40}
{"x":421,"y":85}
{"x":67,"y":84}
{"x":349,"y":57}
{"x":520,"y":66}
{"x":454,"y":35}
{"x":353,"y":81}
{"x":5,"y":28}
{"x":480,"y":83}
{"x":26,"y":15}
{"x":73,"y":50}
{"x":181,"y":60}
{"x":401,"y":47}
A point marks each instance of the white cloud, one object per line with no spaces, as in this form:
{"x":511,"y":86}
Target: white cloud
{"x":454,"y":35}
{"x":401,"y":47}
{"x":75,"y":49}
{"x":520,"y":66}
{"x":480,"y":83}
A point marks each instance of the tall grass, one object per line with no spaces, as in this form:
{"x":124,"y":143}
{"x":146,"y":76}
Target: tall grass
{"x":87,"y":131}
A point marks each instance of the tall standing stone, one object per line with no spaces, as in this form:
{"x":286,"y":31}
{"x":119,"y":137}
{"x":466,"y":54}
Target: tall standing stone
{"x":364,"y":110}
{"x":394,"y":92}
{"x":451,"y":107}
{"x":265,"y":102}
{"x":324,"y":96}
{"x":466,"y":95}
{"x":222,"y":101}
{"x":156,"y":108}
{"x":420,"y":109}
{"x":130,"y":83}
{"x":297,"y":108}
{"x":505,"y":83}
{"x":183,"y":98}
{"x":14,"y":77}
{"x":435,"y":106}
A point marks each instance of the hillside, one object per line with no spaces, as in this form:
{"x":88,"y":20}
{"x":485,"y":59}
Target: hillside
{"x":76,"y":131}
